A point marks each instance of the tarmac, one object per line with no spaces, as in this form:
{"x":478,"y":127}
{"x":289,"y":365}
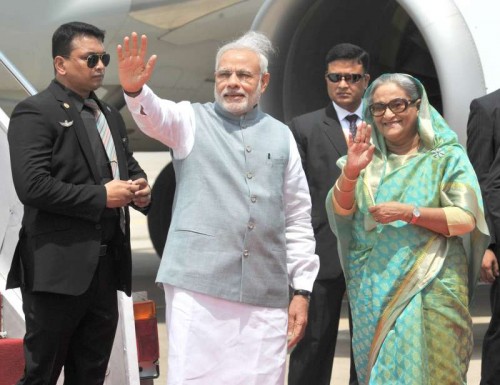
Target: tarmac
{"x":146,"y":262}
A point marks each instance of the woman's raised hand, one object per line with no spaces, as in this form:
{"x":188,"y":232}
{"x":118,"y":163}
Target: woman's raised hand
{"x":359,"y":151}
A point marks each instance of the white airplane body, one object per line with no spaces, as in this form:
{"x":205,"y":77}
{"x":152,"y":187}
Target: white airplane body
{"x":450,"y":45}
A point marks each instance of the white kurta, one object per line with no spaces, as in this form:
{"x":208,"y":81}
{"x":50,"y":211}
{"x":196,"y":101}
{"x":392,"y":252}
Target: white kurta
{"x":174,"y":125}
{"x":213,"y":341}
{"x":217,"y":342}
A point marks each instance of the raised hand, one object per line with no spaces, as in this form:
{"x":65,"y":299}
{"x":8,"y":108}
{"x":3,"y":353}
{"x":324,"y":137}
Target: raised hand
{"x":133,"y":70}
{"x":359,"y":151}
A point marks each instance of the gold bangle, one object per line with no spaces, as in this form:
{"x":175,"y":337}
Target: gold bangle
{"x":346,"y":178}
{"x":342,"y":191}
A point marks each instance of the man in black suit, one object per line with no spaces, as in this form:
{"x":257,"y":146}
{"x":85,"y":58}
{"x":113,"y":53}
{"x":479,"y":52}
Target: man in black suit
{"x":74,"y":245}
{"x":322,"y":139}
{"x":483,"y":144}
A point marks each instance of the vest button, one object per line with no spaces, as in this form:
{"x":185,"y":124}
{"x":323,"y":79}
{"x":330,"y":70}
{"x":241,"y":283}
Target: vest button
{"x":248,"y":148}
{"x":251,"y":225}
{"x":249,"y":175}
{"x":253,"y":198}
{"x":98,"y":226}
{"x":245,"y":253}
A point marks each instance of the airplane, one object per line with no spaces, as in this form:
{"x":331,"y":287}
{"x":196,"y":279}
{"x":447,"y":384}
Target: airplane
{"x":448,"y":44}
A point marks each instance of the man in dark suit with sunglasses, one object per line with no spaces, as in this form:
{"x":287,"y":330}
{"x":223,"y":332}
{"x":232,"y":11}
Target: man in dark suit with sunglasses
{"x":483,"y":148}
{"x":322,"y":139}
{"x":75,"y":175}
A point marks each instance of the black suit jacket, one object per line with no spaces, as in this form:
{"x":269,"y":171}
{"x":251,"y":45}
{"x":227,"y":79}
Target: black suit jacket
{"x":321,"y":143}
{"x":483,"y":144}
{"x":57,"y":179}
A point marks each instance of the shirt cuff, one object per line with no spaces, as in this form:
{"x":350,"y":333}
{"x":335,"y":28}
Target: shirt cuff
{"x":135,"y":104}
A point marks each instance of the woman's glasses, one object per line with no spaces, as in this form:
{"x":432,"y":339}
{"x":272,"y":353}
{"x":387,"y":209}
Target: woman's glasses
{"x":397,"y":106}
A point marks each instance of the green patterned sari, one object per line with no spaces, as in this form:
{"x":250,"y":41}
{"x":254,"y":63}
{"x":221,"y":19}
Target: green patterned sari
{"x":409,"y":288}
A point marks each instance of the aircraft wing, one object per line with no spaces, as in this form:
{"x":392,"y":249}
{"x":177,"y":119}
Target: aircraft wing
{"x":183,"y":33}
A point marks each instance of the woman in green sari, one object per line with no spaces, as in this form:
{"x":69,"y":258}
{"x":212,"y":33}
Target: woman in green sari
{"x":408,"y":214}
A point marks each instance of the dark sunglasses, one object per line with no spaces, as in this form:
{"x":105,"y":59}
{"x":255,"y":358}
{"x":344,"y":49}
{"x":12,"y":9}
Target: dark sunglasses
{"x":397,"y":106}
{"x":349,"y":78}
{"x":94,"y":58}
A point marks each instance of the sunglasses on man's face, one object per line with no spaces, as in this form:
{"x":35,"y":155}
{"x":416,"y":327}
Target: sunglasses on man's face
{"x":94,"y":58}
{"x":349,"y":78}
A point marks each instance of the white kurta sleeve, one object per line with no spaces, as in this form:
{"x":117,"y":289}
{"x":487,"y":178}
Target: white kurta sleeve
{"x":171,"y":123}
{"x":302,"y":262}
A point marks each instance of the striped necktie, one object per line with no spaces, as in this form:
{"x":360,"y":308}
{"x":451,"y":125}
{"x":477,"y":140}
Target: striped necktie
{"x":109,"y":146}
{"x":105,"y":133}
{"x":352,"y":119}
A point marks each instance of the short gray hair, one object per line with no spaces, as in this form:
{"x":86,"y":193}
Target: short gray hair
{"x":405,"y":82}
{"x":252,"y":41}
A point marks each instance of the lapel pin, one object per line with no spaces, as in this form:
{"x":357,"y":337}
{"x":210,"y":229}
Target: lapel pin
{"x":66,"y":105}
{"x":66,"y":123}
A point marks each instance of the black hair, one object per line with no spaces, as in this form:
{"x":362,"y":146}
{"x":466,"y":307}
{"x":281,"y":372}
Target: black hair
{"x":64,"y":35}
{"x":348,"y":51}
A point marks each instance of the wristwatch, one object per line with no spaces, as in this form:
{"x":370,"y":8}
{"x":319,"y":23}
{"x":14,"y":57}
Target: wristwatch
{"x":415,"y":215}
{"x":304,"y":293}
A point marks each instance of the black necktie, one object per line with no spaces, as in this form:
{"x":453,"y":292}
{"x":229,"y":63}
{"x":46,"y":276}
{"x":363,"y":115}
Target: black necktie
{"x":352,"y":119}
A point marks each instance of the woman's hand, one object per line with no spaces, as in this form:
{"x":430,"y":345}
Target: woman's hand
{"x":391,"y":211}
{"x":431,"y":218}
{"x":359,"y":151}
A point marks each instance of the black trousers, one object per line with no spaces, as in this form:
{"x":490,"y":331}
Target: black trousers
{"x":76,"y":332}
{"x":490,"y":360}
{"x":312,"y":359}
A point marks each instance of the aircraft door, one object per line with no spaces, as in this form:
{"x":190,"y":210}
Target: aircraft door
{"x":409,"y":36}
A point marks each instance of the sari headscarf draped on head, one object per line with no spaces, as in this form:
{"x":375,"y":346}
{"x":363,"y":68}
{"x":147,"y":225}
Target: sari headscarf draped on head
{"x":409,"y":288}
